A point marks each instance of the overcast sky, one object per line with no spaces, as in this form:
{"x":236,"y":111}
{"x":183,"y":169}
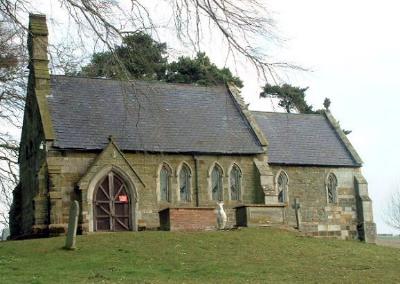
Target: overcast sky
{"x":353,"y":50}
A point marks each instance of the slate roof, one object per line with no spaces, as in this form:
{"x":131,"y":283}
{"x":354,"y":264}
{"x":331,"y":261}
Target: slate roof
{"x":303,"y":139}
{"x":147,"y":116}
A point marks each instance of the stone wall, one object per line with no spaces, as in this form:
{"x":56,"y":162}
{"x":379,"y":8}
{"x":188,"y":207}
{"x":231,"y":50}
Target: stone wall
{"x":29,"y":211}
{"x":71,"y":173}
{"x":319,"y":218}
{"x":77,"y":170}
{"x":26,"y":210}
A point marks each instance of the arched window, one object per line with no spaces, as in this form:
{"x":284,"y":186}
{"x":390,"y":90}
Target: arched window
{"x":184,"y":183}
{"x":282,"y":184}
{"x":165,"y":176}
{"x":331,"y":186}
{"x":235,"y":182}
{"x":216,"y":183}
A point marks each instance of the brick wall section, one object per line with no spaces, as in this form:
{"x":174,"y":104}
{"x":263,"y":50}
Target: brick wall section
{"x":188,"y":219}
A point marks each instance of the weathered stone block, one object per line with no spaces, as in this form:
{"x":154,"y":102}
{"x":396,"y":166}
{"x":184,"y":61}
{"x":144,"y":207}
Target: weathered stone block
{"x":259,"y":215}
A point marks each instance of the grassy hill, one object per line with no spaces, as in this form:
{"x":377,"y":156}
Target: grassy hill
{"x":246,"y":255}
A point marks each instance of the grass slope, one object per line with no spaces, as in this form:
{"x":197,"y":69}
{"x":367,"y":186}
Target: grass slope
{"x":252,"y":255}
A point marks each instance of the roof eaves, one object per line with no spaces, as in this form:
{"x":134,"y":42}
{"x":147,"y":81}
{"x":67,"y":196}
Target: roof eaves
{"x":174,"y":152}
{"x":288,"y":164}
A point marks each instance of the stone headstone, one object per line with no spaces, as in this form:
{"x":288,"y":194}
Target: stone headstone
{"x":5,"y":234}
{"x":221,"y":216}
{"x":296,"y":207}
{"x":72,"y":226}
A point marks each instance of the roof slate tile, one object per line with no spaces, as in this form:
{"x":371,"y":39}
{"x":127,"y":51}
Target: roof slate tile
{"x":147,"y":116}
{"x":302,"y":139}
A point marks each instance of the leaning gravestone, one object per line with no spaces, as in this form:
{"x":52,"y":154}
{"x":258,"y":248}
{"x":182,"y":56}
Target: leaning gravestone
{"x":72,"y":226}
{"x":296,"y":207}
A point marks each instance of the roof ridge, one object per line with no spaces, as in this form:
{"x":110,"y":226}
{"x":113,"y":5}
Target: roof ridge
{"x":222,"y":85}
{"x":284,"y":113}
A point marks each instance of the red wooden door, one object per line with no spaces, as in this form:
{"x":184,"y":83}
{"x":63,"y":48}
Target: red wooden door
{"x":112,"y":206}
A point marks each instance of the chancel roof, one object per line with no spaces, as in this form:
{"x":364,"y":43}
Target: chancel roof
{"x":304,"y":139}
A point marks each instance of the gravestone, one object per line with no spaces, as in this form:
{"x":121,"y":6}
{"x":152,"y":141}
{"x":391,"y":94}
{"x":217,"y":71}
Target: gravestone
{"x":72,"y":226}
{"x":296,"y":207}
{"x":5,"y":234}
{"x":221,"y":216}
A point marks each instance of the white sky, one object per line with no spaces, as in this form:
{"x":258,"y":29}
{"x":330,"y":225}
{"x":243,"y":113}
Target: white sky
{"x":353,"y":50}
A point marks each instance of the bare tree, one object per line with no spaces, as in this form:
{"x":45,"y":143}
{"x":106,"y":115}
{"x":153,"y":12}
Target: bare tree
{"x":392,"y":214}
{"x":12,"y":90}
{"x":8,"y":175}
{"x":240,"y":24}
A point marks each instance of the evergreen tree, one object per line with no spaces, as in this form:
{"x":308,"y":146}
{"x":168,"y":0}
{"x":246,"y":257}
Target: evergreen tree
{"x":138,"y":57}
{"x":199,"y":70}
{"x":290,"y":97}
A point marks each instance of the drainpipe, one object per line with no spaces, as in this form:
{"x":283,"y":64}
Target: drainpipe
{"x":196,"y":181}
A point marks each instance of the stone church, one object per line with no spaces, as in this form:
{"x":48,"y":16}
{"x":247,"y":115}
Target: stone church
{"x":142,"y":155}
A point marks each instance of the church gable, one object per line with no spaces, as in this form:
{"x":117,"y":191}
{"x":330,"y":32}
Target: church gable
{"x":110,"y":167}
{"x":111,"y":157}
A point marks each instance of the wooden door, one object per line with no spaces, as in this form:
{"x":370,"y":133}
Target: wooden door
{"x":112,"y":205}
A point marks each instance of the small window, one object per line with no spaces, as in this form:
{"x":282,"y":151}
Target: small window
{"x":216,"y":183}
{"x":235,"y":181}
{"x":184,"y":183}
{"x":332,"y":188}
{"x":282,"y":186}
{"x":165,"y":176}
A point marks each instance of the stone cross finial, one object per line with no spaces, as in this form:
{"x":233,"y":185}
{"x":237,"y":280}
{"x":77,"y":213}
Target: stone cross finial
{"x":72,"y":226}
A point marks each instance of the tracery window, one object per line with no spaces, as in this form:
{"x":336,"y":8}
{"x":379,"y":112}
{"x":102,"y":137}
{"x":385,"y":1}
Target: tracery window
{"x":331,"y":188}
{"x":282,"y":186}
{"x":235,"y":182}
{"x":216,"y":183}
{"x":165,"y":176}
{"x":184,"y":183}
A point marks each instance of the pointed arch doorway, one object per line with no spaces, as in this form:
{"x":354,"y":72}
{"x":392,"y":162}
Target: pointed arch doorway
{"x":112,"y":205}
